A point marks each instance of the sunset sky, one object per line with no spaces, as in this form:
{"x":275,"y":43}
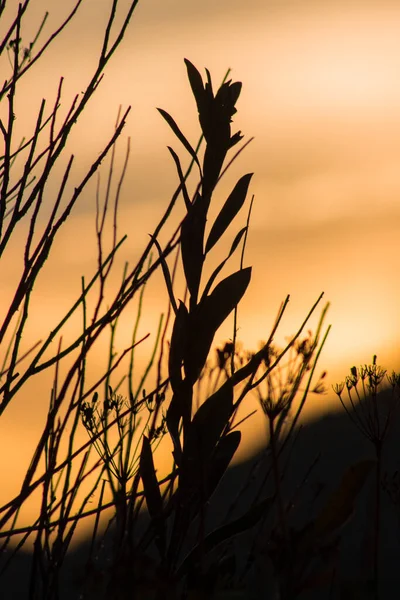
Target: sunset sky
{"x":321,"y":96}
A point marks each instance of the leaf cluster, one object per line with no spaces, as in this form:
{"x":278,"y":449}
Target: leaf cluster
{"x":176,"y":553}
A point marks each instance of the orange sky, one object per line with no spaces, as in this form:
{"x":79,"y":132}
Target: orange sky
{"x":321,"y":95}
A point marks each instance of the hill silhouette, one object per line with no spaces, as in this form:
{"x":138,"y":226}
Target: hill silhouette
{"x":340,"y":444}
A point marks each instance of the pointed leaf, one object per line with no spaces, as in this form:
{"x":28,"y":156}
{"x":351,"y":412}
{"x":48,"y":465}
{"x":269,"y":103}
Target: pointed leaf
{"x":167,"y":276}
{"x":180,"y":408}
{"x":215,"y":115}
{"x":195,"y":80}
{"x":225,"y":296}
{"x":208,"y":316}
{"x":202,"y":97}
{"x":209,"y":82}
{"x":226,"y":532}
{"x":178,"y":341}
{"x":216,"y":272}
{"x":235,"y":90}
{"x":149,"y":479}
{"x":179,"y":135}
{"x":200,"y":474}
{"x":181,"y":178}
{"x":221,"y":459}
{"x":236,"y":241}
{"x":208,"y":423}
{"x":340,"y":505}
{"x":192,"y":242}
{"x":229,"y":211}
{"x":226,"y":98}
{"x":223,"y":108}
{"x":174,"y":415}
{"x":152,"y":493}
{"x":235,"y":138}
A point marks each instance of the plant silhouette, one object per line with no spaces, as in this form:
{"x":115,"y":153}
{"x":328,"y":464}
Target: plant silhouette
{"x":203,"y":531}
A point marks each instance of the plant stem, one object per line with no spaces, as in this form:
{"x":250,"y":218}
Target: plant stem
{"x":378,"y":448}
{"x":274,"y":455}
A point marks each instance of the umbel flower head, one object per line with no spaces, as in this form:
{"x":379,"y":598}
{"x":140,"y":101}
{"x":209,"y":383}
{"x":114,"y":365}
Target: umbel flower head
{"x":368,"y":409}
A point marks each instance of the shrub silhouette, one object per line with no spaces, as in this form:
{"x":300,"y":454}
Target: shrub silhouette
{"x":163,"y":541}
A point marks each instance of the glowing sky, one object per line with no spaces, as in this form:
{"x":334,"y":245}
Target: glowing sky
{"x":321,"y":95}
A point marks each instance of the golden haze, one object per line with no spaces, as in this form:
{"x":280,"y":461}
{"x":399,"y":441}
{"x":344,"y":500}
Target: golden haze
{"x":321,"y":95}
